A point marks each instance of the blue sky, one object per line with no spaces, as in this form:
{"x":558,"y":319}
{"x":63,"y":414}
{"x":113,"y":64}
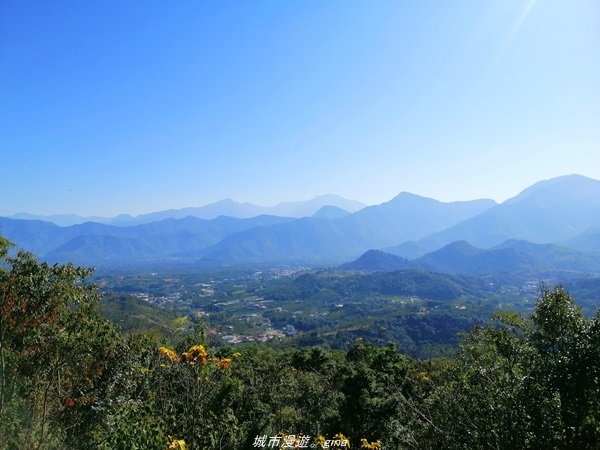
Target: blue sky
{"x":110,"y":107}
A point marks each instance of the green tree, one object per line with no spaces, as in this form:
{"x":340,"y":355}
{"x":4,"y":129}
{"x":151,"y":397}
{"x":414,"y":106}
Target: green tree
{"x":522,"y":383}
{"x":56,"y":353}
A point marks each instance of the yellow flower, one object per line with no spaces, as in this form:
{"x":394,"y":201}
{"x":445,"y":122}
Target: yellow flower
{"x":370,"y":446}
{"x":236,"y":355}
{"x":344,"y":439}
{"x":224,"y":363}
{"x":195,"y":353}
{"x":167,"y":352}
{"x":177,"y":444}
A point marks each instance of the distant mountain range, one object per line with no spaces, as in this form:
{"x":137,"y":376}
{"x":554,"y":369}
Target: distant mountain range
{"x":406,"y":216}
{"x":95,"y":243}
{"x":460,"y":257}
{"x":552,"y":225}
{"x":549,"y":211}
{"x":226,"y":207}
{"x":63,"y":220}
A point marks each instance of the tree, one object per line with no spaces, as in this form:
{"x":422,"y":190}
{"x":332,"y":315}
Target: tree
{"x":523,"y":382}
{"x":56,"y":353}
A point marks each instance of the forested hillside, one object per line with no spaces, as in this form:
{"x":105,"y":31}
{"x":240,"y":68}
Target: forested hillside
{"x":71,"y":379}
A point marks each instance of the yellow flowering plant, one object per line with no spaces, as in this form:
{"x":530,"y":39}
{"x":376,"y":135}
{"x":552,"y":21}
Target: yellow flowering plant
{"x":196,"y":353}
{"x":177,"y":444}
{"x":168,"y":353}
{"x":376,"y":445}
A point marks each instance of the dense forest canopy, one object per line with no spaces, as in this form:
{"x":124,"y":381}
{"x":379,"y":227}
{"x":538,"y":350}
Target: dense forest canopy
{"x":70,"y":378}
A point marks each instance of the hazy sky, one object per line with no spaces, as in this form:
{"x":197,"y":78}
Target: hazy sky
{"x":112,"y":106}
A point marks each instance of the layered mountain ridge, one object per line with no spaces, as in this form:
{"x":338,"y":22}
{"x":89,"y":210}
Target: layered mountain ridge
{"x":225,"y":207}
{"x":564,"y":212}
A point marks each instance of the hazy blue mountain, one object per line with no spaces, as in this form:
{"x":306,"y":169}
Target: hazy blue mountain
{"x":409,"y":250}
{"x":95,"y":249}
{"x":63,"y":220}
{"x":461,"y":257}
{"x":378,"y":261}
{"x":306,"y":239}
{"x":231,"y":208}
{"x":564,"y":210}
{"x":407,"y":216}
{"x":120,"y":219}
{"x":510,"y":256}
{"x":307,"y":208}
{"x":549,"y":211}
{"x":33,"y":235}
{"x":587,"y":242}
{"x":330,"y":212}
{"x":96,"y":242}
{"x":226,"y":207}
{"x":555,"y":256}
{"x":412,"y":216}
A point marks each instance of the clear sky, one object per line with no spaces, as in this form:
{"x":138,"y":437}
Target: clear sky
{"x":126,"y":106}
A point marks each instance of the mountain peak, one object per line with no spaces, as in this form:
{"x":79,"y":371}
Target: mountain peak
{"x":408,"y":196}
{"x":560,"y":187}
{"x":461,"y":246}
{"x":378,"y":261}
{"x":549,"y":211}
{"x":330,"y":212}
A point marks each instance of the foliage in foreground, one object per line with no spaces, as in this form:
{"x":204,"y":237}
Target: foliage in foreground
{"x":70,"y":379}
